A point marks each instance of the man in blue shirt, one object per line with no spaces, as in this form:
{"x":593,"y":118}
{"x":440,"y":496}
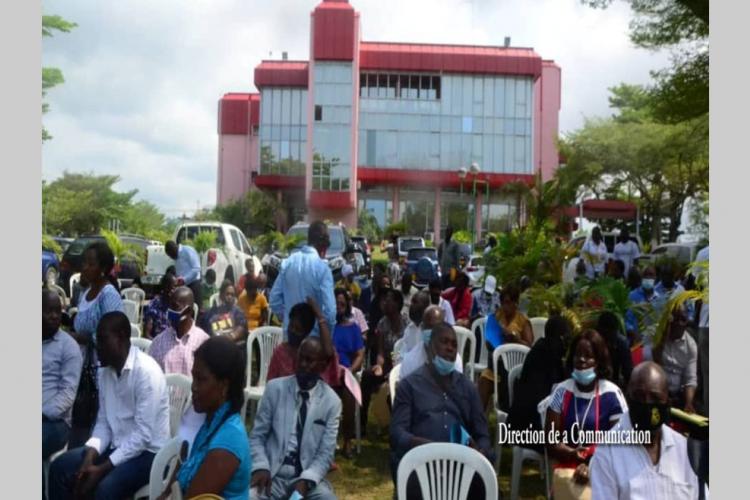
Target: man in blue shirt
{"x":306,"y":274}
{"x":188,"y":266}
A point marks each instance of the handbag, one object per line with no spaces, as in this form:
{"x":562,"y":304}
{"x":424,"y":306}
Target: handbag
{"x":86,"y":404}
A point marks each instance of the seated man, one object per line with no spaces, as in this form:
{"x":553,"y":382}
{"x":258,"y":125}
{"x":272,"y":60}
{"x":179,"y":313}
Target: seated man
{"x":678,"y":355}
{"x":132,"y":424}
{"x":61,"y":370}
{"x":174,"y":347}
{"x":417,"y":356}
{"x":294,"y":435}
{"x":413,"y":331}
{"x":624,"y":471}
{"x":433,"y":402}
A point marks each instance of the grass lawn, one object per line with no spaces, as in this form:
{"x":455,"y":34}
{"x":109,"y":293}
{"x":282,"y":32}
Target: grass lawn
{"x":367,"y":476}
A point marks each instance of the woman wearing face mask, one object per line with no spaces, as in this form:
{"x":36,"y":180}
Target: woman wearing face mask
{"x":302,"y":319}
{"x":585,"y":402}
{"x":226,"y":318}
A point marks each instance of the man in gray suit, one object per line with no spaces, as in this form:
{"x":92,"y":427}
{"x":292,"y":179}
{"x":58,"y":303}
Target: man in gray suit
{"x":297,"y":409}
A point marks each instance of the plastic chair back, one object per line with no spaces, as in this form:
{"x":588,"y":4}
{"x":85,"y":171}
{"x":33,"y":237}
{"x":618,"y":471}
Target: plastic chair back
{"x":137,"y":295}
{"x":164,"y":464}
{"x":512,"y":355}
{"x":214,"y":300}
{"x":267,"y":337}
{"x":537,"y":326}
{"x":131,"y":310}
{"x":477,"y":329}
{"x":464,"y":336}
{"x":445,"y":471}
{"x":76,"y":278}
{"x":141,"y":343}
{"x":135,"y":330}
{"x":180,"y":395}
{"x":513,"y":375}
{"x":393,"y":380}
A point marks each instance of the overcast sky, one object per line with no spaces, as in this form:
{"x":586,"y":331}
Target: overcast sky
{"x":143,"y":78}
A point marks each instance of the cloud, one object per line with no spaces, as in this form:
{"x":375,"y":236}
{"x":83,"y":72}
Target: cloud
{"x":143,"y":78}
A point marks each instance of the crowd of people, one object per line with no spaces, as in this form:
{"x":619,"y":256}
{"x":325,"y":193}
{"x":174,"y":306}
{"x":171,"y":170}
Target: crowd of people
{"x":106,"y":402}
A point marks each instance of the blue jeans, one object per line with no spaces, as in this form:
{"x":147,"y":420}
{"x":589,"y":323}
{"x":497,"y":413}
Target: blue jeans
{"x":121,"y":482}
{"x":54,"y":436}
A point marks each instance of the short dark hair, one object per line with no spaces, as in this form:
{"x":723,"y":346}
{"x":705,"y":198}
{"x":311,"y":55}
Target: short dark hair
{"x":620,"y":265}
{"x":116,"y":322}
{"x":105,"y":259}
{"x":396,"y":295}
{"x":601,"y":353}
{"x":225,"y":360}
{"x":462,"y":276}
{"x":164,"y":280}
{"x":435,"y":283}
{"x":510,"y":292}
{"x":608,"y":323}
{"x":224,"y":285}
{"x":210,"y":276}
{"x":170,"y":247}
{"x":304,"y":313}
{"x":556,"y":325}
{"x":317,"y":234}
{"x":347,"y":297}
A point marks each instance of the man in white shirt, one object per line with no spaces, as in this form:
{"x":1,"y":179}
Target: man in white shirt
{"x":594,"y":254}
{"x":626,"y":250}
{"x":417,"y":356}
{"x":436,"y":298}
{"x":413,"y":332}
{"x":131,"y":426}
{"x":624,"y":471}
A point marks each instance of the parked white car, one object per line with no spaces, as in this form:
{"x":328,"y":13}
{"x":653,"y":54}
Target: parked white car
{"x":227,"y":259}
{"x":406,"y":243}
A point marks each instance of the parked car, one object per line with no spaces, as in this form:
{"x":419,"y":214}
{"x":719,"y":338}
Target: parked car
{"x":340,"y":244}
{"x":50,"y":266}
{"x":406,"y":243}
{"x":63,"y":242}
{"x":683,"y":253}
{"x":475,"y":270}
{"x":364,"y":246}
{"x":227,"y":259}
{"x":126,"y":270}
{"x":423,"y":265}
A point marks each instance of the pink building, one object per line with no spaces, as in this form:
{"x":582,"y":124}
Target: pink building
{"x":390,"y":127}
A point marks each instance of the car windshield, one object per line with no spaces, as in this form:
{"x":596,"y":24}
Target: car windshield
{"x":407,"y":244}
{"x":418,"y":253}
{"x":335,"y":233}
{"x":79,"y":245}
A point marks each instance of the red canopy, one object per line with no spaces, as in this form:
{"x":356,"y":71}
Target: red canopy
{"x":604,"y":209}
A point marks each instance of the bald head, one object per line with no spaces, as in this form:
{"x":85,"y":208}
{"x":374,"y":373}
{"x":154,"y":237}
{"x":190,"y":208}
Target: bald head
{"x":433,"y":315}
{"x":51,"y":313}
{"x":182,"y":298}
{"x":419,"y":303}
{"x":648,"y":383}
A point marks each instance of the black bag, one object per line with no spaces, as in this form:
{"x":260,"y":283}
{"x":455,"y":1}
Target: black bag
{"x":86,"y":405}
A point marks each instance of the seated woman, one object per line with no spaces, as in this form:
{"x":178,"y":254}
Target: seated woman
{"x":516,"y":329}
{"x":301,"y":322}
{"x":219,"y":461}
{"x":253,"y":304}
{"x":347,"y":339}
{"x":155,"y":314}
{"x":225,"y":318}
{"x":585,"y":402}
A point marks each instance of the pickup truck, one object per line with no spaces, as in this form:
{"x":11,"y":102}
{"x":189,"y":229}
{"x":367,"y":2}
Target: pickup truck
{"x":227,"y":259}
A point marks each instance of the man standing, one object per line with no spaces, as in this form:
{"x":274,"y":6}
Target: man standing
{"x":188,"y":267}
{"x":61,"y":370}
{"x":643,"y":294}
{"x":417,"y":356}
{"x":306,"y":274}
{"x":174,"y":347}
{"x":626,"y":250}
{"x":449,"y":256}
{"x":294,"y":435}
{"x":132,"y":424}
{"x":624,"y":471}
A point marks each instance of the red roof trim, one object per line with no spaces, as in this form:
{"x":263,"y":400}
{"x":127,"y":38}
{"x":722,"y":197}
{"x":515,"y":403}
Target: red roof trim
{"x":281,"y":74}
{"x":238,"y":112}
{"x":436,"y":178}
{"x":604,"y":209}
{"x":330,"y":200}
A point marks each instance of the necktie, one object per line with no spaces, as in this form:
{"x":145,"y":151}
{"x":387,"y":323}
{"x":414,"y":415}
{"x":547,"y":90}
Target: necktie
{"x":305,"y":395}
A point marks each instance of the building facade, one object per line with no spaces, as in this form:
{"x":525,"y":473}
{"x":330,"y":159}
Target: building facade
{"x":422,"y":133}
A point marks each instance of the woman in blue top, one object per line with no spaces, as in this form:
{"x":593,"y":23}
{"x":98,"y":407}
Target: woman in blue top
{"x":219,"y":461}
{"x":347,"y":340}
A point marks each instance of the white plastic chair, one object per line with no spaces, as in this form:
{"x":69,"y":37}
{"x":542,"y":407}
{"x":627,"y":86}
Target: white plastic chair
{"x":520,"y":455}
{"x":445,"y":471}
{"x":76,"y":278}
{"x":267,"y":337}
{"x":464,"y":335}
{"x":513,"y":375}
{"x":537,"y":326}
{"x":162,"y":468}
{"x":58,"y":289}
{"x":137,"y":295}
{"x":141,"y":343}
{"x":477,"y":328}
{"x":357,"y":423}
{"x":214,"y":300}
{"x":132,"y":310}
{"x":512,"y":355}
{"x":397,"y":347}
{"x":196,"y":310}
{"x":180,"y":395}
{"x":46,"y":465}
{"x":393,"y":377}
{"x":135,"y":330}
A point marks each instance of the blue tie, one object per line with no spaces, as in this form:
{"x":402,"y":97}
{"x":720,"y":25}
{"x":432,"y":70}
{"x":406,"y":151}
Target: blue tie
{"x":305,"y":395}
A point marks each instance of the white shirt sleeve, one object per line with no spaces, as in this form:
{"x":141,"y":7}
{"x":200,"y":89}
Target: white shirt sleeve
{"x":603,"y":480}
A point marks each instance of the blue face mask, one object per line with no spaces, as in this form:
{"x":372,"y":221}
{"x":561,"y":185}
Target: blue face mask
{"x":426,"y":336}
{"x":647,"y":283}
{"x":175,"y":317}
{"x":443,"y":366}
{"x":584,"y":377}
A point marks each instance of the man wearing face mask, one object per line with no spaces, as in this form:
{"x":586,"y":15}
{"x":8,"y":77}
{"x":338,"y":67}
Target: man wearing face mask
{"x":624,"y":471}
{"x":417,"y":356}
{"x":438,"y":404}
{"x":644,"y":293}
{"x":294,"y":434}
{"x":174,"y":347}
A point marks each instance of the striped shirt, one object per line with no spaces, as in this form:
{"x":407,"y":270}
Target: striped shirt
{"x":175,"y":355}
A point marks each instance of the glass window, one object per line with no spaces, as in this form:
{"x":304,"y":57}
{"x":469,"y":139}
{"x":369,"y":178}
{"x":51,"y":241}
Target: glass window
{"x":236,"y":239}
{"x":382,"y":86}
{"x":318,"y":113}
{"x":276,"y":105}
{"x":392,"y":86}
{"x":436,"y":86}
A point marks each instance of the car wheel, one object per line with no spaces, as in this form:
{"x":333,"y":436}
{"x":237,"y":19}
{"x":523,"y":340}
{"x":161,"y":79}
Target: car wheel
{"x":229,"y":275}
{"x":52,"y":275}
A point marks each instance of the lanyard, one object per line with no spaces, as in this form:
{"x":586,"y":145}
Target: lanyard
{"x":586,"y":413}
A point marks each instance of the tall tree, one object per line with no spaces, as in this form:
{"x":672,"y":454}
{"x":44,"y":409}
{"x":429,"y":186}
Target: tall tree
{"x":52,"y":77}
